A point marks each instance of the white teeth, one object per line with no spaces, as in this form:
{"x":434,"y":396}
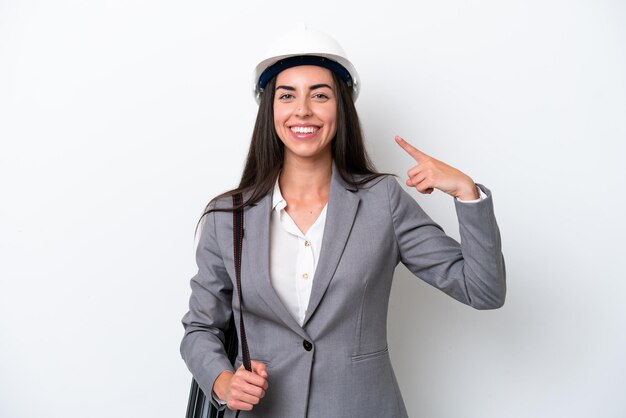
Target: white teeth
{"x":303,"y":129}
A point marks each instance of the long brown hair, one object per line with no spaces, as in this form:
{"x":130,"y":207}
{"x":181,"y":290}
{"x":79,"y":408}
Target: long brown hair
{"x":266,"y":153}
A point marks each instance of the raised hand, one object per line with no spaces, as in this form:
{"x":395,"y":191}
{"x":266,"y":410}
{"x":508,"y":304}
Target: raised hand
{"x":430,"y":174}
{"x":243,"y":389}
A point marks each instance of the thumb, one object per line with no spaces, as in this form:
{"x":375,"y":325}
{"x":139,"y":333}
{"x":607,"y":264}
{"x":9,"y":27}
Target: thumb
{"x":259,"y":368}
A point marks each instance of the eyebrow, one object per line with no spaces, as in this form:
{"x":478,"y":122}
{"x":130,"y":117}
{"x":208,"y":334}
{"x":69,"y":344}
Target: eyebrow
{"x":313,"y":87}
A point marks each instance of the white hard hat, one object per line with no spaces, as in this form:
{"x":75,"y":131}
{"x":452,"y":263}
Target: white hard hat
{"x":304,"y":46}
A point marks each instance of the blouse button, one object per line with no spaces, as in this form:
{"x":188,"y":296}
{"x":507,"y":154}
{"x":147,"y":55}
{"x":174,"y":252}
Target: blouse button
{"x":307,"y":244}
{"x":305,"y":276}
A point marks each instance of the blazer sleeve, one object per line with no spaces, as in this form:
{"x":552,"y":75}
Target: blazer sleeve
{"x":202,"y":346}
{"x":471,"y":272}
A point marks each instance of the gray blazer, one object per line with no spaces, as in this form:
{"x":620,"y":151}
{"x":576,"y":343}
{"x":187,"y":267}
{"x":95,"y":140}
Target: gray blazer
{"x":337,"y":363}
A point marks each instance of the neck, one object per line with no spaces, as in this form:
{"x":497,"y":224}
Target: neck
{"x":305,"y":179}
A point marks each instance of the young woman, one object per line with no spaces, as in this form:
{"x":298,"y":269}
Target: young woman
{"x":323,"y":234}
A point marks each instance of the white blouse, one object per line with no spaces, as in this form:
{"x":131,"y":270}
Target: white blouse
{"x":293,"y":256}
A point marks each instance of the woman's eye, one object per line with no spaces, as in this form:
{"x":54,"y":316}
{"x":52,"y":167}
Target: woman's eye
{"x":286,"y":96}
{"x":320,"y":96}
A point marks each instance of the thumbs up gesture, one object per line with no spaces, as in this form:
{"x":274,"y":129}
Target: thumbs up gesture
{"x":430,"y":174}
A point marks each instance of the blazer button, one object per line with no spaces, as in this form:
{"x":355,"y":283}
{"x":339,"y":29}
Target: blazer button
{"x":307,"y":345}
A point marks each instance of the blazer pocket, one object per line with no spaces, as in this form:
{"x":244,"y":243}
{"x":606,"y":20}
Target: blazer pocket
{"x":239,"y":362}
{"x":369,"y":356}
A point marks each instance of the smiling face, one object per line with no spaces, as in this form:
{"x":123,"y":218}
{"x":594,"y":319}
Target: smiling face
{"x":305,"y":112}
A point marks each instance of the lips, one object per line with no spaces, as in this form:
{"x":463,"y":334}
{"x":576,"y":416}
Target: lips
{"x":304,"y":131}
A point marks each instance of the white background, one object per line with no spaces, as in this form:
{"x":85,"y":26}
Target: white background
{"x":120,"y":119}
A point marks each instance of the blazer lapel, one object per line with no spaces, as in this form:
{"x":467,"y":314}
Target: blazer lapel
{"x":343,"y":202}
{"x":257,"y":255}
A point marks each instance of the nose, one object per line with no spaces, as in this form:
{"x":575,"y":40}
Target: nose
{"x":303,"y":108}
